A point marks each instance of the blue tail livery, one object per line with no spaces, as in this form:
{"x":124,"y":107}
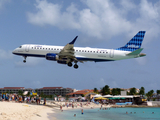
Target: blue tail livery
{"x":135,"y":43}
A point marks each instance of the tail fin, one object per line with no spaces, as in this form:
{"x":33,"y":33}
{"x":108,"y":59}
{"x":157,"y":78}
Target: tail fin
{"x":134,"y":43}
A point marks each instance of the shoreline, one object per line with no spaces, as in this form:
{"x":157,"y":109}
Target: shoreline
{"x":17,"y":111}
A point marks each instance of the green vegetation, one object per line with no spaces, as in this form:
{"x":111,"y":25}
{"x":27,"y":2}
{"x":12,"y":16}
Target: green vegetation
{"x":105,"y":90}
{"x":133,"y":91}
{"x":149,"y":94}
{"x":158,"y":92}
{"x":116,"y":91}
{"x":142,"y":91}
{"x":20,"y":92}
{"x":96,"y":90}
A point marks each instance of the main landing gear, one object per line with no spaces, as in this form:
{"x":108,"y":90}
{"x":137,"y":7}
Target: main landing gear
{"x":75,"y":66}
{"x":70,"y":65}
{"x":24,"y":59}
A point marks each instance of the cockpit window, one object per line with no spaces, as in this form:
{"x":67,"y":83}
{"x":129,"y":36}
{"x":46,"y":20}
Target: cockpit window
{"x":20,"y":46}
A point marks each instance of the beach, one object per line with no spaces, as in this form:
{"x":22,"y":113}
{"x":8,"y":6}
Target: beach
{"x":23,"y":111}
{"x":18,"y":111}
{"x":51,"y":111}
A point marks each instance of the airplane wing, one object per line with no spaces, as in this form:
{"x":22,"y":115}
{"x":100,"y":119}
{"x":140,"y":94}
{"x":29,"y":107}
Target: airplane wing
{"x":68,"y":51}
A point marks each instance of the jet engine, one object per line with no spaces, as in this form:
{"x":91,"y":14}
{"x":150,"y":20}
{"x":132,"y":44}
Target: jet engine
{"x":52,"y":56}
{"x":62,"y":62}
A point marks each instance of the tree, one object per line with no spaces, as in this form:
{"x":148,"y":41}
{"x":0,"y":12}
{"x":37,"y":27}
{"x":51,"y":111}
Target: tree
{"x":150,"y":94}
{"x":133,"y":91}
{"x":142,"y":91}
{"x":7,"y":91}
{"x":82,"y":95}
{"x":28,"y":94}
{"x":114,"y":91}
{"x":105,"y":90}
{"x":158,"y":92}
{"x":118,"y":91}
{"x":20,"y":92}
{"x":95,"y":90}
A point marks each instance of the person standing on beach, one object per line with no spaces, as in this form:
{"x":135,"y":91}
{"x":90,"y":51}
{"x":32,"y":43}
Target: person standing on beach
{"x":44,"y":101}
{"x":67,"y":105}
{"x":39,"y":100}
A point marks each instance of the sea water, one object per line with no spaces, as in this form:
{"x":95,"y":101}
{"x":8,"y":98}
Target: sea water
{"x":111,"y":114}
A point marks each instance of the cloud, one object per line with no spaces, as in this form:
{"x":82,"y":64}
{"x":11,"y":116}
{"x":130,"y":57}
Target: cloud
{"x":5,"y":54}
{"x":2,"y":2}
{"x":101,"y":18}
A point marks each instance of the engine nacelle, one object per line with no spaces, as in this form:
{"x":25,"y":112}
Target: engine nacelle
{"x":52,"y":56}
{"x":62,"y":62}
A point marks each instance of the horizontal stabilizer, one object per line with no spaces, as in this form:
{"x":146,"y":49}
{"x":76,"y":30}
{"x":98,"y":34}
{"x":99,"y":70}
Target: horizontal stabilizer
{"x":136,"y":52}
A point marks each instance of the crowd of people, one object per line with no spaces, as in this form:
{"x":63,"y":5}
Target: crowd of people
{"x":22,"y":99}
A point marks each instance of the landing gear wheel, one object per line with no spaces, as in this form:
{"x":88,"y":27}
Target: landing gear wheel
{"x":69,"y":64}
{"x":24,"y":59}
{"x":75,"y":66}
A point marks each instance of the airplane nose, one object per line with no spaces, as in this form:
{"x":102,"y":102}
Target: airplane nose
{"x":14,"y":51}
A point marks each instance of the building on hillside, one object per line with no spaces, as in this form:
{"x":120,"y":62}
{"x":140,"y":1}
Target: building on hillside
{"x":14,"y":89}
{"x":80,"y":93}
{"x":54,"y":91}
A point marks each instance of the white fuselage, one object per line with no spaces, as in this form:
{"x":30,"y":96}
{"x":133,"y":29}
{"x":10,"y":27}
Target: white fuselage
{"x":81,"y":53}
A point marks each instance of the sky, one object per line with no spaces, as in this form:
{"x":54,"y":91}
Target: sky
{"x":98,"y":24}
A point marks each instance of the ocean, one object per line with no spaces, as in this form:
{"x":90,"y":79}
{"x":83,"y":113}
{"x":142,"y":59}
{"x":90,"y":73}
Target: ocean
{"x":111,"y":114}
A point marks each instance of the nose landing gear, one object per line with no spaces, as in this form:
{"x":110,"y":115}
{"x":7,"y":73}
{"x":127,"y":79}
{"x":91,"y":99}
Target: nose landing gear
{"x":24,"y":59}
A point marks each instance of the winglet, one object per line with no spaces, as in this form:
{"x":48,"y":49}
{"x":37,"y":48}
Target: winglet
{"x":73,"y":40}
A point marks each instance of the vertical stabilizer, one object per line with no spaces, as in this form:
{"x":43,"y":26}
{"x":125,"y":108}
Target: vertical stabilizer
{"x":135,"y":43}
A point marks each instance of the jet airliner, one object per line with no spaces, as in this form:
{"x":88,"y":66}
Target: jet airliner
{"x":69,"y":54}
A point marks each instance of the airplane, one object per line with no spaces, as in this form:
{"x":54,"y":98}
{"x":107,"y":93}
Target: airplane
{"x":68,"y":54}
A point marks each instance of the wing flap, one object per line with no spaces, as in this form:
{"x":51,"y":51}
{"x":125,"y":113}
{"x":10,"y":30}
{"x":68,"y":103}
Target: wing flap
{"x":68,"y":50}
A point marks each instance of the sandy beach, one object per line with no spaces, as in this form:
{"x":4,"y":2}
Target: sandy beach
{"x":23,"y":111}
